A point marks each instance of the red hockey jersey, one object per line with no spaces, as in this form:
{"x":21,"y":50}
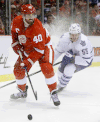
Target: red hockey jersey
{"x":33,"y":39}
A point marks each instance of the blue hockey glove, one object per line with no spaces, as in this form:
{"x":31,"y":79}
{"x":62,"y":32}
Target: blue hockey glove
{"x":68,"y":58}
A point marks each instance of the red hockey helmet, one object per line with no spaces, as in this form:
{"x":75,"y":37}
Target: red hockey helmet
{"x":28,"y":9}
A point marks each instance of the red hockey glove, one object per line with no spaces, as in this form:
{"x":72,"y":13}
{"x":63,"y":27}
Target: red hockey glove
{"x":18,"y":47}
{"x":26,"y":64}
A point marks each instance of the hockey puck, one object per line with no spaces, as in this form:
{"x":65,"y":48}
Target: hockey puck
{"x":30,"y":117}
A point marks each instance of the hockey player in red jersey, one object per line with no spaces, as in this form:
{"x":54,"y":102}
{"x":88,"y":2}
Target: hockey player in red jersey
{"x":34,"y":42}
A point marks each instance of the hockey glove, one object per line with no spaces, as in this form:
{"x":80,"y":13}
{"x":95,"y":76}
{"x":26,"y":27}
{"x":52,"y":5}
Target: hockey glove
{"x":68,"y":58}
{"x":17,"y":47}
{"x":70,"y":52}
{"x":26,"y":64}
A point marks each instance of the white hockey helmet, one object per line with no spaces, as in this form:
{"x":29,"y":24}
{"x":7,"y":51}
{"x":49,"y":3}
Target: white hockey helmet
{"x":75,"y":28}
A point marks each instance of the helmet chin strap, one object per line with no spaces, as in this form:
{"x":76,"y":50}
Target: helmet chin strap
{"x":25,"y":23}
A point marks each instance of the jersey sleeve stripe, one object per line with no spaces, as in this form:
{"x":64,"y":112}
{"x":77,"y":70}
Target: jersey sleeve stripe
{"x":50,"y":54}
{"x":26,"y":54}
{"x":40,"y":51}
{"x":14,"y":44}
{"x":49,"y":43}
{"x":30,"y":61}
{"x":87,"y":57}
{"x":47,"y":33}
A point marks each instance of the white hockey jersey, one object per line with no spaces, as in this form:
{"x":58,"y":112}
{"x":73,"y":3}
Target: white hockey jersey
{"x":82,"y":48}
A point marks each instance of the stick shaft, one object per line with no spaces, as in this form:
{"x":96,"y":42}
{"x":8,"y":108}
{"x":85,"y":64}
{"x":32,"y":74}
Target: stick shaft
{"x":35,"y":94}
{"x":29,"y":75}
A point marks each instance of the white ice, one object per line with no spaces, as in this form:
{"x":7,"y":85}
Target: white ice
{"x":80,"y":100}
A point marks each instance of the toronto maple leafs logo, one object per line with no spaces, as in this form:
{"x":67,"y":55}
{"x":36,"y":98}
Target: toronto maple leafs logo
{"x":83,"y":43}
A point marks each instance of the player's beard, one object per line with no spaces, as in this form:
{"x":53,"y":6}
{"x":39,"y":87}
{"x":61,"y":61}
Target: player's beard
{"x":27,"y":21}
{"x":30,"y":21}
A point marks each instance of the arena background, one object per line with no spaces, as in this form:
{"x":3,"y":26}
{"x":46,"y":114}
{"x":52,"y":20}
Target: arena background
{"x":64,"y":12}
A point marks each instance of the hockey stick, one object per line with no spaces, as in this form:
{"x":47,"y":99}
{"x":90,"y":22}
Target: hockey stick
{"x":29,"y":75}
{"x":40,"y":70}
{"x":34,"y":92}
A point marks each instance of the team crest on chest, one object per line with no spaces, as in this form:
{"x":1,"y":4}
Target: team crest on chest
{"x":83,"y":43}
{"x":22,"y":38}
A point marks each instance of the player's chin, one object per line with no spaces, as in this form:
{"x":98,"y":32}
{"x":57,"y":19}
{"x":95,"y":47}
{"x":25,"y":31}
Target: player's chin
{"x":30,"y":22}
{"x":73,"y":40}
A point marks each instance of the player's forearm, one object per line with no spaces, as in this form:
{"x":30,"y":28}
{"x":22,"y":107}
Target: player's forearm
{"x":15,"y":43}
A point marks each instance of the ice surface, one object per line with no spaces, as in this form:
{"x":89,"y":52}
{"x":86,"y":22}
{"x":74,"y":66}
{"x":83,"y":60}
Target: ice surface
{"x":80,"y":100}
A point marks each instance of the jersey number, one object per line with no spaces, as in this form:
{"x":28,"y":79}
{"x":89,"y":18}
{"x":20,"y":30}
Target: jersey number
{"x":38,"y":38}
{"x":85,"y":51}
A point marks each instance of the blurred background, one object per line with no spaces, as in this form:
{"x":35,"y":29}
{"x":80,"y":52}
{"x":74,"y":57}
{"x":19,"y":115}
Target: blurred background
{"x":56,"y":15}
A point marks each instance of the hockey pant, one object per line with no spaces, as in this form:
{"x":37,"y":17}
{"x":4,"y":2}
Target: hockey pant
{"x":65,"y":72}
{"x":46,"y":64}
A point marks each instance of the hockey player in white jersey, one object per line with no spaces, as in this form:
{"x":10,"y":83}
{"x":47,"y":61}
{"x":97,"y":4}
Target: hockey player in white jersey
{"x":78,"y":54}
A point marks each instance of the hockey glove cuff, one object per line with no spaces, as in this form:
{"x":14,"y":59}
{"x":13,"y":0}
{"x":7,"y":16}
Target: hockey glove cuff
{"x":26,"y":63}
